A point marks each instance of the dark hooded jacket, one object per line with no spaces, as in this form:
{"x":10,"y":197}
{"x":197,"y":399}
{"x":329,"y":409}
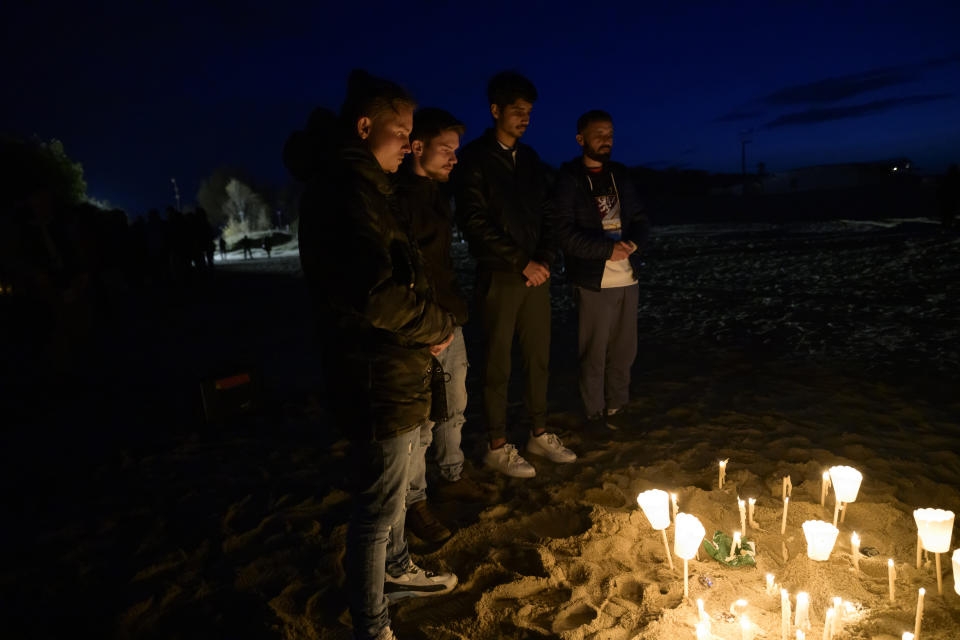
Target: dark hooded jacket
{"x":377,"y":311}
{"x":503,"y":210}
{"x":579,"y":227}
{"x":427,"y":209}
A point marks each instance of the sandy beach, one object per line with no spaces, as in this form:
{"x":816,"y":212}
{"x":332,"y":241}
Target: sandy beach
{"x":786,"y":349}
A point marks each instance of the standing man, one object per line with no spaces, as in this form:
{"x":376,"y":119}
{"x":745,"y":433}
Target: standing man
{"x":434,"y":141}
{"x":378,"y":323}
{"x":600,"y":226}
{"x":502,"y":207}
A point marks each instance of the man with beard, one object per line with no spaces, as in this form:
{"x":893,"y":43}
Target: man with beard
{"x":502,"y":207}
{"x":600,"y":226}
{"x":434,"y":141}
{"x":378,"y":322}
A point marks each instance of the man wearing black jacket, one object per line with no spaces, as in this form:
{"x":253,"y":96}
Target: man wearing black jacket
{"x":434,"y":142}
{"x":601,"y":227}
{"x":502,"y":207}
{"x":378,"y":321}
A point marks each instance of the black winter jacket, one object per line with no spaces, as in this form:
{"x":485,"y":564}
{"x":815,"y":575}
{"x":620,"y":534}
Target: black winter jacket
{"x":427,"y":209}
{"x":377,"y":314}
{"x":579,"y":228}
{"x":503,"y":211}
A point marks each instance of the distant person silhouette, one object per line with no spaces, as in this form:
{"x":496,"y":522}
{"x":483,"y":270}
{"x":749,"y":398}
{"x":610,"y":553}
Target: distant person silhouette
{"x":223,"y":248}
{"x":948,"y":196}
{"x":267,"y":244}
{"x":247,"y":245}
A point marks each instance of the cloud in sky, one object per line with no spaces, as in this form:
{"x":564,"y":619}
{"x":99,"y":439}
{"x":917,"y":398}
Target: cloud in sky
{"x":826,"y":114}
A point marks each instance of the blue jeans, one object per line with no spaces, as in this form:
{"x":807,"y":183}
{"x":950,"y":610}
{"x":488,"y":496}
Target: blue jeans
{"x":448,"y":451}
{"x":375,"y":538}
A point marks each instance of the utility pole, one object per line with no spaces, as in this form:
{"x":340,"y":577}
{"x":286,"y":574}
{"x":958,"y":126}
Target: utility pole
{"x":176,"y":193}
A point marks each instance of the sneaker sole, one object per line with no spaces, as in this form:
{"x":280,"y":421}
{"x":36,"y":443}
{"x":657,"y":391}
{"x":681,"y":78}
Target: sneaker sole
{"x":420,"y":592}
{"x":544,"y":455}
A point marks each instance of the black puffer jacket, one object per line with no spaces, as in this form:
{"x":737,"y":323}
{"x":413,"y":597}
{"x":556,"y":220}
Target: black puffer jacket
{"x":503,"y":210}
{"x":427,"y":209}
{"x":377,"y":314}
{"x":579,"y":227}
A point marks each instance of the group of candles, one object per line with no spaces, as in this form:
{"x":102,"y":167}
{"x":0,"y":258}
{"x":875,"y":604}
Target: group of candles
{"x":796,"y":621}
{"x":934,"y":531}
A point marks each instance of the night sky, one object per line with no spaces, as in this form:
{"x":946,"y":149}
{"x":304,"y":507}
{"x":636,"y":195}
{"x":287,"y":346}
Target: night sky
{"x":140,"y":92}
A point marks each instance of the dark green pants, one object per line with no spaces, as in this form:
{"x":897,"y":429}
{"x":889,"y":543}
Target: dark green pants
{"x":508,"y":306}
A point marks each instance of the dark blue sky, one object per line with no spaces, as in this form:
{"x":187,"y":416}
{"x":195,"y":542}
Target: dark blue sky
{"x":140,"y":92}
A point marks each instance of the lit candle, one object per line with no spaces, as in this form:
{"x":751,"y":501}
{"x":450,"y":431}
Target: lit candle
{"x":836,"y":511}
{"x":783,"y":523}
{"x":828,"y":624}
{"x":821,"y":536}
{"x":746,"y":628}
{"x":770,"y":590}
{"x":751,"y":503}
{"x":673,"y":499}
{"x":855,"y":551}
{"x":935,"y":528}
{"x":801,"y":635}
{"x":722,"y":471}
{"x":802,"y":618}
{"x":784,"y":615}
{"x":919,"y":549}
{"x":838,"y":616}
{"x":891,"y":577}
{"x":702,"y":632}
{"x":824,"y":487}
{"x":916,"y":625}
{"x":736,"y":544}
{"x":907,"y":636}
{"x":743,"y":516}
{"x":704,"y":618}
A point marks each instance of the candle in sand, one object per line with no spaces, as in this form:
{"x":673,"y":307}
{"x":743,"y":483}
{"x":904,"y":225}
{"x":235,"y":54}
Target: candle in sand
{"x":783,"y":523}
{"x":891,"y":576}
{"x":802,"y":618}
{"x":746,"y":628}
{"x":919,"y":620}
{"x":751,"y":504}
{"x":784,"y":615}
{"x":828,"y":624}
{"x":722,"y":471}
{"x":824,"y":487}
{"x":770,"y":590}
{"x":855,"y":551}
{"x":743,"y":516}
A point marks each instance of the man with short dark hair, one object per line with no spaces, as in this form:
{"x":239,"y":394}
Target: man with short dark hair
{"x":502,"y":206}
{"x":601,"y":226}
{"x":434,"y":141}
{"x":378,"y":322}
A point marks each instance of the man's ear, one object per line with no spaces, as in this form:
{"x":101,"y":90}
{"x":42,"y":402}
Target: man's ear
{"x":416,"y":146}
{"x":580,"y":139}
{"x":364,"y":127}
{"x":495,"y":111}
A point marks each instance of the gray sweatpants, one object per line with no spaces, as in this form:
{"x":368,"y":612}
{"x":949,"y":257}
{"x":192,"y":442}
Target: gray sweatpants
{"x":607,"y":339}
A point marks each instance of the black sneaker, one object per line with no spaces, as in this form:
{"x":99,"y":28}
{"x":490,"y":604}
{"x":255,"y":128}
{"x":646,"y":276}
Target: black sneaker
{"x":417,"y":583}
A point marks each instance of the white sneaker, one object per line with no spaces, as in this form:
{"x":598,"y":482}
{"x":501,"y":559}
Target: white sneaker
{"x":417,"y":583}
{"x":507,"y":460}
{"x":549,"y":446}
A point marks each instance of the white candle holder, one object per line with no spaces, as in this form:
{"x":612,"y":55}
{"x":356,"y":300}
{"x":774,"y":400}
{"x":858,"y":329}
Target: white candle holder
{"x":656,"y":507}
{"x":846,"y":483}
{"x":956,"y":571}
{"x":935,"y":527}
{"x":821,"y":536}
{"x":687,"y":535}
